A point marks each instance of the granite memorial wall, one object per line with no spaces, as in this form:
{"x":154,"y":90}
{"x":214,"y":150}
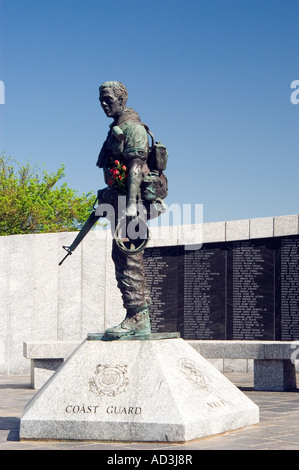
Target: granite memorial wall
{"x":239,"y":290}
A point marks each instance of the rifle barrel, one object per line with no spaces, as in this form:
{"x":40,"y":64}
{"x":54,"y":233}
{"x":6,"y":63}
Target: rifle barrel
{"x":68,"y":254}
{"x":92,"y":219}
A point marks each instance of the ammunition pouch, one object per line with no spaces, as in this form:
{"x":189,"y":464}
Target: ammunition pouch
{"x":154,"y":186}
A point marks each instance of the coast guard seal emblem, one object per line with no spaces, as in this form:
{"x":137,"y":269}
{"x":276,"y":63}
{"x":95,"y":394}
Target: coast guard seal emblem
{"x":109,"y":380}
{"x":191,"y":371}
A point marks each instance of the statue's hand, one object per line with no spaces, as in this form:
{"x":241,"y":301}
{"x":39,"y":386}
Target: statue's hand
{"x":131,"y":210}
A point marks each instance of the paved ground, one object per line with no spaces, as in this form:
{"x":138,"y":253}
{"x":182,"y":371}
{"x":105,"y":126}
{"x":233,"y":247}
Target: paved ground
{"x":278,"y":428}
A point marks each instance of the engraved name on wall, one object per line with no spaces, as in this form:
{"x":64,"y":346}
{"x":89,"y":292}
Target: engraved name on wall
{"x":245,"y":290}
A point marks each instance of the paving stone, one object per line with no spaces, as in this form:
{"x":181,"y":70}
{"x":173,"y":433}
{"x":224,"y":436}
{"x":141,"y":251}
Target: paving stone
{"x":278,"y":428}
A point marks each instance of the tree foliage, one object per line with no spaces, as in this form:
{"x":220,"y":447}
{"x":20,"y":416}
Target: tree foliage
{"x":32,"y":201}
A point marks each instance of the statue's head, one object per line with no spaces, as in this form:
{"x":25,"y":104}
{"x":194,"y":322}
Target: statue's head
{"x":113,"y":98}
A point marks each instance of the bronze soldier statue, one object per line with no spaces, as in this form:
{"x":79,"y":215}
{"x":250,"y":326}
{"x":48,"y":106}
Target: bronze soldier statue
{"x":133,"y":172}
{"x":124,"y":158}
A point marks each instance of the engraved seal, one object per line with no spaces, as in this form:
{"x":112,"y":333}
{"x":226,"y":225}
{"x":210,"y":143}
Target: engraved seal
{"x":109,"y":380}
{"x":192,"y":372}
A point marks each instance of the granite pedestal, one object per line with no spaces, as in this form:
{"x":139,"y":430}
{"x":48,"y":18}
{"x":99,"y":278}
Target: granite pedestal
{"x":150,"y":390}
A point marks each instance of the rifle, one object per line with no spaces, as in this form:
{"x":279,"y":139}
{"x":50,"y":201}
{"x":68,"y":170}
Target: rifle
{"x":125,"y":244}
{"x":92,"y":219}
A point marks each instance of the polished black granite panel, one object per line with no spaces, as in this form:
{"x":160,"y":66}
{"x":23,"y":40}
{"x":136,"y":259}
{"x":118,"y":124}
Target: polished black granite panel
{"x":287,"y":324}
{"x":164,"y":273}
{"x":205,"y":293}
{"x":250,"y":290}
{"x":243,"y":290}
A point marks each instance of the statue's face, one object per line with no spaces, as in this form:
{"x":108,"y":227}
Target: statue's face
{"x":111,"y":105}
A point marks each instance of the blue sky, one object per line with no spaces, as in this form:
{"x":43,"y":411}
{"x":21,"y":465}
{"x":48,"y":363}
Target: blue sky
{"x":210,"y":77}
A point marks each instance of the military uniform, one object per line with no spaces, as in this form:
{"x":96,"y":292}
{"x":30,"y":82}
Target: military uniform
{"x":129,"y":268}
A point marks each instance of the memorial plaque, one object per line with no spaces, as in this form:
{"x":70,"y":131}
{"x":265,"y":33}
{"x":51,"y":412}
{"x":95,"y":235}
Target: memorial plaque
{"x":205,"y":293}
{"x":251,"y":294}
{"x":242,"y":290}
{"x":164,"y":274}
{"x":288,"y":308}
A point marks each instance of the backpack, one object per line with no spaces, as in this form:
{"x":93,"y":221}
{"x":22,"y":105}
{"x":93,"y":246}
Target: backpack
{"x":155,"y":185}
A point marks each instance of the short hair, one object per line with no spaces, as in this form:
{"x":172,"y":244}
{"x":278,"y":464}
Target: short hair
{"x":118,"y":88}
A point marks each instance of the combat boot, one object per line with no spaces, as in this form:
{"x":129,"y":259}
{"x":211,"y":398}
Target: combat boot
{"x":136,"y":324}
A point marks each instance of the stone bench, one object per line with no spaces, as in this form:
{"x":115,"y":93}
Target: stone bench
{"x":46,"y":357}
{"x":274,"y":361}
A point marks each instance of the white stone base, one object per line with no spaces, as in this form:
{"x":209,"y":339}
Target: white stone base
{"x":160,"y":390}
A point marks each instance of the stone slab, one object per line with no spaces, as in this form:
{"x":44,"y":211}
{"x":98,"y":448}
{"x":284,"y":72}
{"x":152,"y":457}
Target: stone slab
{"x":274,"y":375}
{"x":160,"y":390}
{"x":282,"y":350}
{"x":261,"y":228}
{"x":45,"y":285}
{"x":69,"y":291}
{"x":237,"y":230}
{"x":42,"y":370}
{"x":286,"y":225}
{"x":213,"y":232}
{"x":20,"y":298}
{"x":49,"y":349}
{"x":93,"y":282}
{"x":4,"y":302}
{"x":229,"y":349}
